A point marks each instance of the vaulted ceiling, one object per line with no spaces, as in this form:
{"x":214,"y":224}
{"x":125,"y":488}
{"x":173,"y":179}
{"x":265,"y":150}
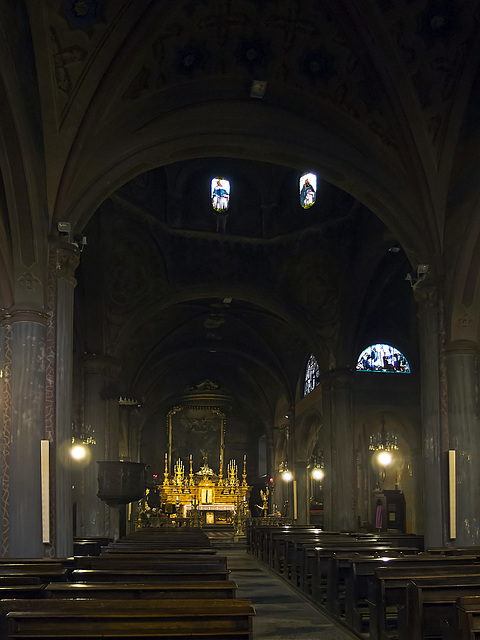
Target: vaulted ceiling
{"x":116,"y":115}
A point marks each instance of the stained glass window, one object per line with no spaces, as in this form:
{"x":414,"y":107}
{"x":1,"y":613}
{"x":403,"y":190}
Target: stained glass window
{"x":312,"y":375}
{"x":382,"y":358}
{"x":308,"y":190}
{"x":220,"y":194}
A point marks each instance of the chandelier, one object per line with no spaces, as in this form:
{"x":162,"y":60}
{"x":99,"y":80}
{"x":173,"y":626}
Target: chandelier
{"x":384,"y":440}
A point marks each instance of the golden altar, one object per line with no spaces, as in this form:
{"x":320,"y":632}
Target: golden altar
{"x":204,"y":497}
{"x":200,"y":497}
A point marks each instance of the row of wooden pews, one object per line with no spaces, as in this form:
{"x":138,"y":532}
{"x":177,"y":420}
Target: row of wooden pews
{"x":384,"y":587}
{"x":161,"y":584}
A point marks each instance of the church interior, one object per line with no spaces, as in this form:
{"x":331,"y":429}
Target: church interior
{"x":239,"y":259}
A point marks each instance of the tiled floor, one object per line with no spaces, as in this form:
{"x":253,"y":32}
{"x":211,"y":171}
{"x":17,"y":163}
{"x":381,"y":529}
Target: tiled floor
{"x":281,"y":612}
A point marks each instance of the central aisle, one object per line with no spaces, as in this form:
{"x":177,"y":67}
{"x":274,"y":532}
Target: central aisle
{"x":281,"y":613}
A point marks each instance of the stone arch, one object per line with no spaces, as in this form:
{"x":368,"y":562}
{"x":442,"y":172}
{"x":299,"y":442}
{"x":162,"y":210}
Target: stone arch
{"x":404,"y":473}
{"x":241,"y":130}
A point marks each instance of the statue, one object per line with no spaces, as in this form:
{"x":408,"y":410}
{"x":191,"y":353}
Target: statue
{"x":264,"y":506}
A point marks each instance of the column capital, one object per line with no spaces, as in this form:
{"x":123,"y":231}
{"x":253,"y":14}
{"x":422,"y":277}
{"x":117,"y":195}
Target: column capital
{"x":66,"y":259}
{"x":427,"y":295}
{"x":462,"y":347}
{"x":24,"y":314}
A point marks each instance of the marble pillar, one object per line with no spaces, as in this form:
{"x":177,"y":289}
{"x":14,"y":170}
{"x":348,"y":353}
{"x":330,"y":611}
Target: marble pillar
{"x":101,"y":415}
{"x":433,"y":386}
{"x":464,"y":424}
{"x":66,"y":260}
{"x":340,"y":495}
{"x":302,"y":492}
{"x":23,"y":386}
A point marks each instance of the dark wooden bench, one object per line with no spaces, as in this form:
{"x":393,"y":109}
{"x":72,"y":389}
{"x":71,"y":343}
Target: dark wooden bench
{"x":48,"y":571}
{"x":468,"y":617}
{"x":222,"y":619}
{"x":322,"y":573}
{"x":387,"y":587}
{"x":170,"y":574}
{"x":155,"y":547}
{"x":431,"y":608}
{"x":157,"y":562}
{"x":145,"y":590}
{"x":358,"y":573}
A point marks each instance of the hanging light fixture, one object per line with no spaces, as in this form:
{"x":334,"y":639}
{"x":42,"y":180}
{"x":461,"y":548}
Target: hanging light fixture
{"x":317,"y":464}
{"x":384,"y":440}
{"x":318,"y":473}
{"x":83,"y":436}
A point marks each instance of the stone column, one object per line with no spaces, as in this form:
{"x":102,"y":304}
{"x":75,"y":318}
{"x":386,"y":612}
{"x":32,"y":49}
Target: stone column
{"x":101,"y":414}
{"x":433,"y":401}
{"x":302,"y":489}
{"x":23,"y":396}
{"x":464,"y":427}
{"x":340,"y":496}
{"x":66,"y":258}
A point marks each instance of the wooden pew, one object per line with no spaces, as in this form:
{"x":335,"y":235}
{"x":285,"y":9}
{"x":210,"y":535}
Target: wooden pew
{"x":159,"y":562}
{"x":222,"y":619}
{"x":468,"y":617}
{"x":143,"y":590}
{"x":48,"y":571}
{"x":431,"y":606}
{"x":139,"y":547}
{"x":155,"y":547}
{"x":174,"y":573}
{"x":387,"y":587}
{"x":23,"y":581}
{"x":317,"y":566}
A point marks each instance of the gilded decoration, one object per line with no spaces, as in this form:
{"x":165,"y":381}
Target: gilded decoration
{"x":192,"y":492}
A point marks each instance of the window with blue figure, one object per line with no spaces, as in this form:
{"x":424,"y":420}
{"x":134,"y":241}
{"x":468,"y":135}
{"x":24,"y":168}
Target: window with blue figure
{"x":220,"y":194}
{"x":382,"y":358}
{"x":308,"y":190}
{"x":312,"y":375}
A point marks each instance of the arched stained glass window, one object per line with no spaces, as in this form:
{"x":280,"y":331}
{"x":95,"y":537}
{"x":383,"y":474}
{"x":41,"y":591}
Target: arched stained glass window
{"x":312,"y":375}
{"x":308,"y":190}
{"x":220,"y":194}
{"x":382,"y":358}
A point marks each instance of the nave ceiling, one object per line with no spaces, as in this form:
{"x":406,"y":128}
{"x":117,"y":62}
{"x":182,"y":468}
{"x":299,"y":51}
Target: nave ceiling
{"x":178,"y":294}
{"x":117,"y":113}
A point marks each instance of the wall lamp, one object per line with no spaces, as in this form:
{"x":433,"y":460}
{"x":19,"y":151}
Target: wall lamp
{"x":421,"y":274}
{"x":318,"y":473}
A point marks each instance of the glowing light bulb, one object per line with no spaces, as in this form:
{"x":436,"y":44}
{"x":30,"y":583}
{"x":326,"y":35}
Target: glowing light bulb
{"x":385,"y":458}
{"x":78,"y":452}
{"x":318,"y":474}
{"x":287,"y":476}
